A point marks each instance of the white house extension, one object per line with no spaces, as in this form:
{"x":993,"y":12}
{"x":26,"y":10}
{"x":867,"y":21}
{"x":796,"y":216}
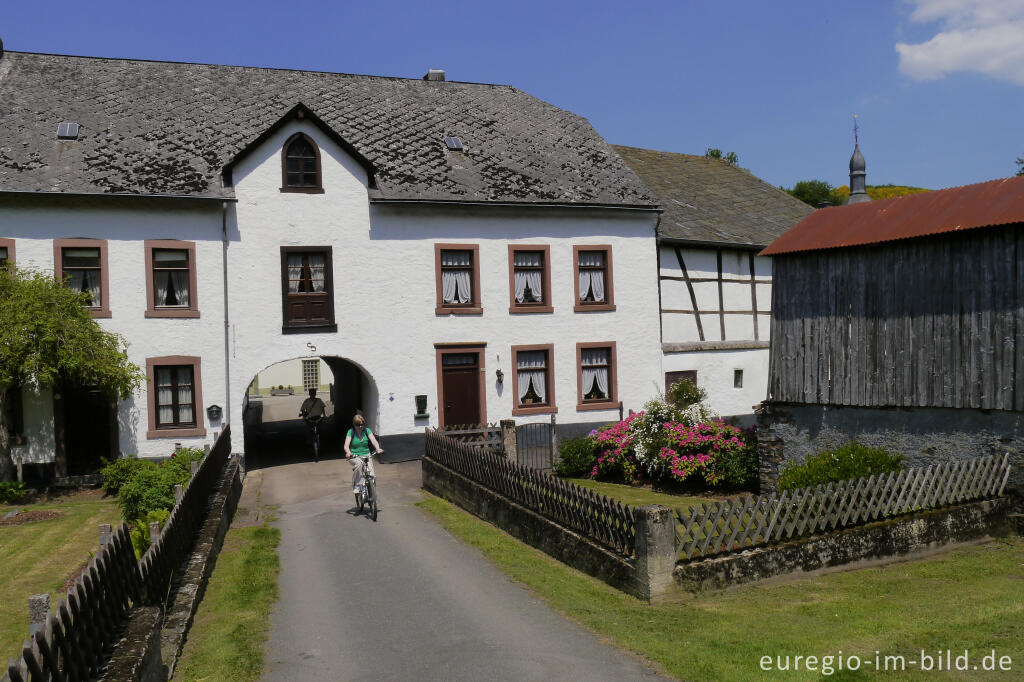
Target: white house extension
{"x":715,"y":291}
{"x":463,"y":242}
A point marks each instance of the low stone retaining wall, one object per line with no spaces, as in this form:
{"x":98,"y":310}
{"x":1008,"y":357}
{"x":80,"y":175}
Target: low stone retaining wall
{"x":136,"y":656}
{"x":532,"y":528}
{"x":905,"y":537}
{"x":200,"y":564}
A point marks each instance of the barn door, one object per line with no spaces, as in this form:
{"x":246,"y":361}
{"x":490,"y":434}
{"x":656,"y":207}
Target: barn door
{"x":460,"y":388}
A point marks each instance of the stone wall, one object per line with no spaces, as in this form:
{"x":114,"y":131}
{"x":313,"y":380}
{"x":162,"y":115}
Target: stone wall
{"x":925,"y":436}
{"x":906,"y":537}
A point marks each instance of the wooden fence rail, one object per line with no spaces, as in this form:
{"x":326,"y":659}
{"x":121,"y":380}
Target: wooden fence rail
{"x":481,"y":435}
{"x":79,"y":635}
{"x":607,"y":522}
{"x":732,"y":525}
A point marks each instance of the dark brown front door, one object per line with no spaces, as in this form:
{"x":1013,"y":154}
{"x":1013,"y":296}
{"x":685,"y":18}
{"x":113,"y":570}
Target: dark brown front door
{"x":460,"y":385}
{"x":89,"y":429}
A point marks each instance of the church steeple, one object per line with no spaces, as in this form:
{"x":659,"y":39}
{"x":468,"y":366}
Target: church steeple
{"x":858,"y":174}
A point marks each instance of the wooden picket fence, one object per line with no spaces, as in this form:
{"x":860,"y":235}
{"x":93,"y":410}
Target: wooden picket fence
{"x":605,"y":521}
{"x":78,"y":637}
{"x":732,"y":525}
{"x":480,"y":435}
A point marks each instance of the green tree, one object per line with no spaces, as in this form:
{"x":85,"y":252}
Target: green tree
{"x":815,"y":192}
{"x":48,"y":337}
{"x":1020,"y":162}
{"x":730,"y":157}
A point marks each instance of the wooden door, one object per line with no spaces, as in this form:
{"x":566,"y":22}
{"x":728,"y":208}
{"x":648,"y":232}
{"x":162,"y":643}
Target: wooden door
{"x":460,"y":387}
{"x":88,"y":436}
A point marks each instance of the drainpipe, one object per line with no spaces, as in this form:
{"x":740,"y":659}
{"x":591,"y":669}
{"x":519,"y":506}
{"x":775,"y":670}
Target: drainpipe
{"x":227,"y":319}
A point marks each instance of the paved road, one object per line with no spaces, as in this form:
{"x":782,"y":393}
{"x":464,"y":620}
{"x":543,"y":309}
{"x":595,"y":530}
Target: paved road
{"x":401,"y":599}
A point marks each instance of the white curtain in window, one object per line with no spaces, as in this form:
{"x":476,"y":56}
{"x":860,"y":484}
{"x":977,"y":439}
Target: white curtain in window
{"x":591,"y":373}
{"x":531,"y":368}
{"x":455,"y":284}
{"x":591,"y":281}
{"x":162,"y":280}
{"x":527,"y":278}
{"x":179,"y":279}
{"x":294,"y":272}
{"x":316,"y":271}
{"x":185,"y":395}
{"x":164,"y":397}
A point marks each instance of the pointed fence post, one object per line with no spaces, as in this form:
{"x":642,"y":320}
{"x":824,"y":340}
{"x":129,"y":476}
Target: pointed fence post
{"x":554,"y":442}
{"x":655,"y":551}
{"x":38,"y":610}
{"x":194,"y":465}
{"x":154,"y":532}
{"x":179,"y":492}
{"x":508,"y":439}
{"x":105,"y":532}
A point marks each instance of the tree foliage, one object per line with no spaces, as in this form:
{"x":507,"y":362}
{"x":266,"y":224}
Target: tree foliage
{"x":815,"y":193}
{"x":1020,"y":164}
{"x":878,"y":192}
{"x":730,"y":158}
{"x":47,"y":336}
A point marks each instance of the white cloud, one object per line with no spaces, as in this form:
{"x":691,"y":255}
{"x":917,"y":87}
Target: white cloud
{"x":984,"y":36}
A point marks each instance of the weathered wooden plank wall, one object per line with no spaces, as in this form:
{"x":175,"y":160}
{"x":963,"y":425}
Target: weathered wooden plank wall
{"x":929,"y":322}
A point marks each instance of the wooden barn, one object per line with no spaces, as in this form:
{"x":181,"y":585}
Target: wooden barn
{"x":900,"y":324}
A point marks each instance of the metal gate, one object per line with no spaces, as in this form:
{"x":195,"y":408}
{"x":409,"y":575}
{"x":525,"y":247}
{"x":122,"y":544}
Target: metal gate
{"x":535,"y":445}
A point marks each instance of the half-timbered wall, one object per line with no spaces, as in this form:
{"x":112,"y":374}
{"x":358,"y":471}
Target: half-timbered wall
{"x":930,"y":322}
{"x":715,"y":321}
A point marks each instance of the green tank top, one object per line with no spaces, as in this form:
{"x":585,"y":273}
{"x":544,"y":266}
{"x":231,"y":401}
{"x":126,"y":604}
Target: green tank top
{"x":360,"y":447}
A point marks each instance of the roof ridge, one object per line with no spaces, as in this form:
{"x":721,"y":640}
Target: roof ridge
{"x":247,"y":67}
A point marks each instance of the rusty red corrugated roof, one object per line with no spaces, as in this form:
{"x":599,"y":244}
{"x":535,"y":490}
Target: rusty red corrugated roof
{"x":996,"y":202}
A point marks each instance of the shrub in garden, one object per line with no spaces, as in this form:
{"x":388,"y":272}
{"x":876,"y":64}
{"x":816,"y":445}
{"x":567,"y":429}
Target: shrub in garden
{"x":716,"y":453}
{"x":576,"y":457}
{"x":685,"y":393}
{"x":852,"y":460}
{"x":12,"y":492}
{"x":139,"y":531}
{"x":151,"y":486}
{"x":115,"y":474}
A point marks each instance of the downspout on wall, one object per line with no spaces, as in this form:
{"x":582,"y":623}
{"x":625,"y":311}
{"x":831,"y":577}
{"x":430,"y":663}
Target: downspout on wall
{"x":227,"y":319}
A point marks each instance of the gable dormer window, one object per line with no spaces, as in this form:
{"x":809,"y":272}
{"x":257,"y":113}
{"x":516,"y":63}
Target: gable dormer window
{"x":300,"y":165}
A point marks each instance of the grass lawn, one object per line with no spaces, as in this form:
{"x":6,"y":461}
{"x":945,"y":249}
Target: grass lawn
{"x":972,"y":598}
{"x":233,"y":620}
{"x":39,"y":556}
{"x":637,"y":496}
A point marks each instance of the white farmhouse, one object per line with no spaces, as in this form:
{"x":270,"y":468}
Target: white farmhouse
{"x":459,"y":241}
{"x":715,"y":291}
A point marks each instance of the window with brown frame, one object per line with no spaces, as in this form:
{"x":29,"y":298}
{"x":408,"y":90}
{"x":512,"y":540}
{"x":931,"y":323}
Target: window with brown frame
{"x":529,"y":279}
{"x":175,"y":397}
{"x":675,"y":377}
{"x":593,"y":281}
{"x":171,"y":279}
{"x":596,"y":380}
{"x":308,"y":284}
{"x":458,"y":278}
{"x":6,"y":252}
{"x":533,"y":383}
{"x":300,"y":165}
{"x":82,"y":265}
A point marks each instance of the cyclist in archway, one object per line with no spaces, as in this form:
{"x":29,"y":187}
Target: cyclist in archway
{"x":357,"y":444}
{"x":312,"y":411}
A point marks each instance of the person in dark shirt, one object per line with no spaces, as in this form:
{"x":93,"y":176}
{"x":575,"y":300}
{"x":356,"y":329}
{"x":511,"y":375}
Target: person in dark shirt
{"x":312,"y":407}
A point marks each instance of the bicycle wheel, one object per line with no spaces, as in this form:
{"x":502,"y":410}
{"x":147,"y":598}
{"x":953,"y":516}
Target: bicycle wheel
{"x":371,"y":492}
{"x":316,"y":445}
{"x":359,"y":502}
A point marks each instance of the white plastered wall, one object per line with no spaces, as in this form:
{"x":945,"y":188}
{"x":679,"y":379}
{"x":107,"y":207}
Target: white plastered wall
{"x":289,"y":373}
{"x":716,"y":367}
{"x":384,"y":288}
{"x":126,"y":224}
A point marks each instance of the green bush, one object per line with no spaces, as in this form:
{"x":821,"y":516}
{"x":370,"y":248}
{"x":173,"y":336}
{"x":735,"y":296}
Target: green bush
{"x":852,"y":460}
{"x":180,"y":462}
{"x":139,"y":532}
{"x":576,"y":457}
{"x":737,"y":467}
{"x":150,"y":489}
{"x":12,"y":492}
{"x":685,"y":393}
{"x":115,"y":474}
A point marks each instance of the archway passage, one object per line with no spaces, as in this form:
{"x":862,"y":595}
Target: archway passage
{"x":274,"y":432}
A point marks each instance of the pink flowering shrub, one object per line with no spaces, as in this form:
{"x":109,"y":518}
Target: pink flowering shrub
{"x":709,"y":454}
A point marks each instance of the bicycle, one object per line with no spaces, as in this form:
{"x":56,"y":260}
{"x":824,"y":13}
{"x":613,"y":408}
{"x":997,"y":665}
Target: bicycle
{"x":367,"y":494}
{"x":314,"y":424}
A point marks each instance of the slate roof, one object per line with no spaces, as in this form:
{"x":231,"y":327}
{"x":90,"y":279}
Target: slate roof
{"x":711,"y":201}
{"x":169,"y":128}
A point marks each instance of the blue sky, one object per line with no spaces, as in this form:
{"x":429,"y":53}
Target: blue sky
{"x":938,"y":85}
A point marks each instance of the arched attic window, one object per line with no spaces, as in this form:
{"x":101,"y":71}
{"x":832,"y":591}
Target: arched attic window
{"x":300,"y":165}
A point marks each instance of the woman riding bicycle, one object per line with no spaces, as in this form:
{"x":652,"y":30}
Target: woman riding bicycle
{"x":357,"y":444}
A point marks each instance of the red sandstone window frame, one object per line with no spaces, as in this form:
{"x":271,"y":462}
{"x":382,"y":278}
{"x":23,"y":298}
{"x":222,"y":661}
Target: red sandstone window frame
{"x":550,"y":406}
{"x":318,"y":188}
{"x":195,"y":362}
{"x":609,"y":289}
{"x":154,"y":311}
{"x":9,"y":245}
{"x":545,"y":306}
{"x":102,"y":310}
{"x":612,"y":402}
{"x":474,"y":307}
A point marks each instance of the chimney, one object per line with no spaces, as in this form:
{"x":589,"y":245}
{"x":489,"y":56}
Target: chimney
{"x":434,"y":75}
